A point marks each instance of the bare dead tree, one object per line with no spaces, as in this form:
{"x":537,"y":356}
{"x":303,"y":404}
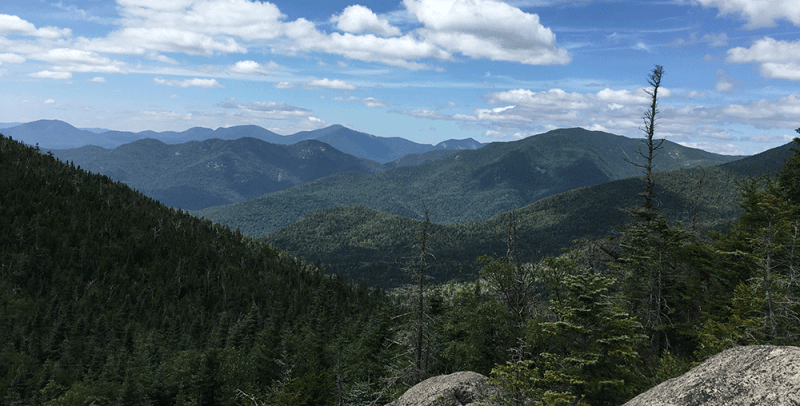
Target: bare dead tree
{"x":648,"y":210}
{"x":420,"y":302}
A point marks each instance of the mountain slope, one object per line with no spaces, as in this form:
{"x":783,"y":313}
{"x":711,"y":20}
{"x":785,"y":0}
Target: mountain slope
{"x":469,"y":185}
{"x":108,"y":297}
{"x":200,"y":174}
{"x":375,"y":247}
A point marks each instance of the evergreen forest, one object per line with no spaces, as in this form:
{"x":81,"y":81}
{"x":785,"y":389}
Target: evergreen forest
{"x":109,"y":297}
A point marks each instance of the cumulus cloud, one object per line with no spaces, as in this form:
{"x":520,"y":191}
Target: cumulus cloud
{"x":524,"y":111}
{"x":444,"y":31}
{"x":195,"y":27}
{"x":331,"y":84}
{"x":49,"y":101}
{"x":284,"y":85}
{"x":196,"y":82}
{"x":776,"y":59}
{"x":253,"y":67}
{"x":98,"y":79}
{"x":14,"y":25}
{"x":758,"y":13}
{"x":395,"y":51}
{"x":487,"y":29}
{"x":357,"y":19}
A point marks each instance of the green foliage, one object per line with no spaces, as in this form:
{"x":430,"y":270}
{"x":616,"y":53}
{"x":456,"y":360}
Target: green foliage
{"x":789,"y":177}
{"x":367,"y":245}
{"x":759,"y":257}
{"x":587,"y":352}
{"x":598,"y":343}
{"x":108,"y":296}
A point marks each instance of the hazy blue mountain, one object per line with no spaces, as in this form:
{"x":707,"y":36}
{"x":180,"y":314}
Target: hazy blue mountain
{"x":198,"y":174}
{"x":55,"y":134}
{"x":469,"y":185}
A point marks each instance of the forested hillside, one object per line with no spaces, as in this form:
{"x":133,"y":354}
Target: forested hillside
{"x":469,"y":185}
{"x":199,"y":174}
{"x":375,"y":247}
{"x":108,"y":297}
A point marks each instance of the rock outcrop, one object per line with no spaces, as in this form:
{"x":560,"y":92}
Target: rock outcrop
{"x":751,"y":375}
{"x":457,"y":389}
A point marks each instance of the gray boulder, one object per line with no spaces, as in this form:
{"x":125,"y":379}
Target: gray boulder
{"x":457,"y":389}
{"x":751,"y":375}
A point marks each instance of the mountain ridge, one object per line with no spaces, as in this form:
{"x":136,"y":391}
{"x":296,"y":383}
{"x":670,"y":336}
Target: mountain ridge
{"x":56,"y":134}
{"x":468,"y":185}
{"x":375,"y":247}
{"x":198,"y":174}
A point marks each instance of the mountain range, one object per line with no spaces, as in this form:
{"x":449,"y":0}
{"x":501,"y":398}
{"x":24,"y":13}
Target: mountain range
{"x":199,"y":174}
{"x":55,"y":134}
{"x":469,"y":185}
{"x":374,"y":247}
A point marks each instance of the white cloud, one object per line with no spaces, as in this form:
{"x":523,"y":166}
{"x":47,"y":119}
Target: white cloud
{"x":487,"y":29}
{"x":46,"y":74}
{"x":283,"y":85}
{"x":331,"y":84}
{"x":639,"y":96}
{"x":14,"y":25}
{"x":11,"y":58}
{"x":357,"y":19}
{"x":98,"y":79}
{"x":49,"y":101}
{"x":76,"y":60}
{"x":772,"y":138}
{"x":776,"y":59}
{"x":620,"y":111}
{"x":253,"y":67}
{"x":395,"y":51}
{"x":269,"y":110}
{"x":480,"y":29}
{"x":155,"y":56}
{"x":369,"y":101}
{"x":758,"y":13}
{"x":144,"y":40}
{"x":764,"y":113}
{"x":196,"y":82}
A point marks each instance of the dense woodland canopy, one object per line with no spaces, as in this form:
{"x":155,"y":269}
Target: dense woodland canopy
{"x":108,"y":297}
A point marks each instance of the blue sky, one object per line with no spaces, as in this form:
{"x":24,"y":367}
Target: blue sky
{"x":426,"y":70}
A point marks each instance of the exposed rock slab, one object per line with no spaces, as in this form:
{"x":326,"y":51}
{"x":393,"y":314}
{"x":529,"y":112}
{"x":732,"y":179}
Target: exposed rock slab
{"x":750,"y":375}
{"x":457,"y":389}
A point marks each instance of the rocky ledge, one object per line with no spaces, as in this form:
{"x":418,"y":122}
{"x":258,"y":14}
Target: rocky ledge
{"x":750,"y":375}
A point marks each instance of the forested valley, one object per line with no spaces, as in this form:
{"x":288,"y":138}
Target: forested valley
{"x":109,"y":297}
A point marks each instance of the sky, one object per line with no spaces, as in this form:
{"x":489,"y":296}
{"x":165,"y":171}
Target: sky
{"x":425,"y":70}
